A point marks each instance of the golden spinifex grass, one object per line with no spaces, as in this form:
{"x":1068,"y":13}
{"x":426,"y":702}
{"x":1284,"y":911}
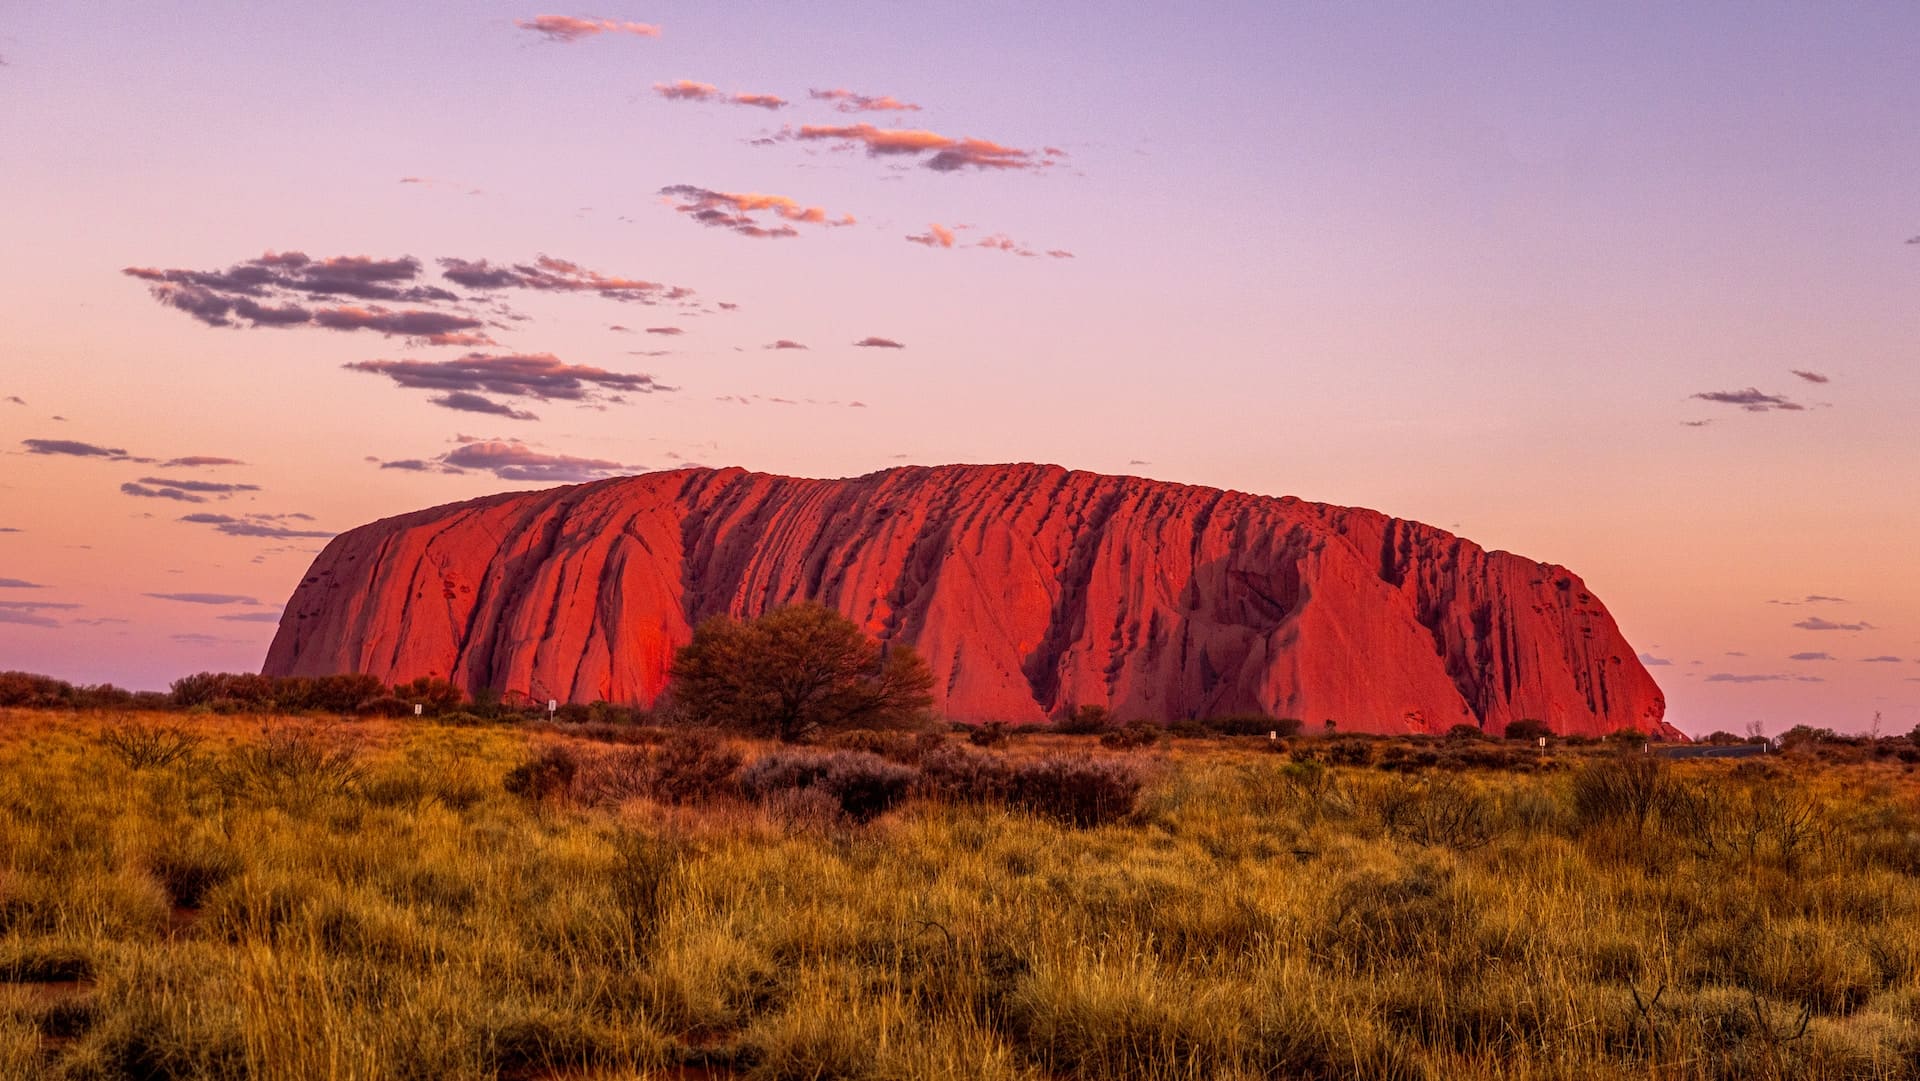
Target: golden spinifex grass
{"x":282,"y":900}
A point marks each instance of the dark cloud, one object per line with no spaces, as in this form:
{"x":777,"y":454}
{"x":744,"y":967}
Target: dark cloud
{"x":1811,"y":656}
{"x":510,"y":459}
{"x":1772,"y":677}
{"x":783,"y":343}
{"x":735,"y":211}
{"x":1651,"y":661}
{"x":1815,"y":623}
{"x":668,"y":331}
{"x":567,"y":29}
{"x":1752,"y":400}
{"x":19,"y":583}
{"x":196,"y":461}
{"x":15,"y":399}
{"x":408,"y":322}
{"x":75,"y":449}
{"x":26,"y":618}
{"x":257,"y":525}
{"x":11,"y":529}
{"x":205,"y":487}
{"x":1811,"y":377}
{"x":174,"y":494}
{"x":468,"y":402}
{"x":251,"y":617}
{"x":276,"y":289}
{"x":541,"y":376}
{"x":947,"y":154}
{"x":549,"y":275}
{"x":204,"y":598}
{"x":688,"y":90}
{"x":1883,"y":659}
{"x":878,"y":343}
{"x":847,"y":101}
{"x":418,"y":465}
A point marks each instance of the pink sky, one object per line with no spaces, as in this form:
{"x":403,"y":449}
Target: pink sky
{"x":1544,"y":278}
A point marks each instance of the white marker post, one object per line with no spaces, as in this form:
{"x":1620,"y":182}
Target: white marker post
{"x":552,"y":705}
{"x":418,"y":709}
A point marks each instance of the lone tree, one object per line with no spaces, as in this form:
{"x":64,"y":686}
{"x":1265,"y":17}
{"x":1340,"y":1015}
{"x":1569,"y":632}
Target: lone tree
{"x":795,"y":670}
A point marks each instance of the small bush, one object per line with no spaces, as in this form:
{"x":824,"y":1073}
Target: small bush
{"x":1084,"y":721}
{"x":1528,"y":729}
{"x":1135,"y":735}
{"x":547,"y":776}
{"x":1437,"y":811}
{"x":143,"y":746}
{"x":1350,"y":751}
{"x":958,"y":774}
{"x":1077,"y":789}
{"x":864,"y":786}
{"x":1253,"y":724}
{"x":189,"y":872}
{"x":296,"y":762}
{"x":990,"y":734}
{"x":385,"y":706}
{"x":693,"y":766}
{"x":1628,"y":788}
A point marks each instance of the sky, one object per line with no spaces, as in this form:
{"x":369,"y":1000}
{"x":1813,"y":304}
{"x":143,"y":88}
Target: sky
{"x":1629,"y":288}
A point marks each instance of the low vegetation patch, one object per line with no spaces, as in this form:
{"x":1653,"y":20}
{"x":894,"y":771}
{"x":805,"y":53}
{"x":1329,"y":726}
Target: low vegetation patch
{"x":309,"y":898}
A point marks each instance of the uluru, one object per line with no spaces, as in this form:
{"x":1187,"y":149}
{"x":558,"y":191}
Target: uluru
{"x":1030,"y":590}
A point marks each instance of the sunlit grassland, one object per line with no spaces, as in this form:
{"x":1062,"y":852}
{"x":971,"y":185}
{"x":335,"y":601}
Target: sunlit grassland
{"x":392,"y":911}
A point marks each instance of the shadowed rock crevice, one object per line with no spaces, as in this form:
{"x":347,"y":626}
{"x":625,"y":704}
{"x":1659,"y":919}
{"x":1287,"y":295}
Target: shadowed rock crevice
{"x":1029,"y":589}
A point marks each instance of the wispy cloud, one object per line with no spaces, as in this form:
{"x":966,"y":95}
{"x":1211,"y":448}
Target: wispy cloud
{"x":1647,"y":659}
{"x":1752,"y":400}
{"x":256,"y":525}
{"x":1811,"y":656}
{"x":542,"y":376}
{"x":204,"y":598}
{"x":203,"y":487}
{"x":72,"y":448}
{"x":736,"y":211}
{"x":847,"y":101}
{"x":468,"y":402}
{"x":878,"y":343}
{"x":688,"y":90}
{"x":1815,"y":623}
{"x":278,"y":290}
{"x":199,"y":461}
{"x":19,"y":583}
{"x":941,"y":236}
{"x":251,"y":617}
{"x":1770,"y":677}
{"x":783,"y":343}
{"x":943,"y":153}
{"x":1811,"y":377}
{"x":1883,"y":659}
{"x":550,"y":275}
{"x":510,"y":459}
{"x":567,"y":29}
{"x":174,"y":494}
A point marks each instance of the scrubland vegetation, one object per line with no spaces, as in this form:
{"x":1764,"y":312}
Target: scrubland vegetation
{"x":273,"y":897}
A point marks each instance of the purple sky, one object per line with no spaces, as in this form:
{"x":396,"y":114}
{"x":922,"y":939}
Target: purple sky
{"x":1541,"y":276}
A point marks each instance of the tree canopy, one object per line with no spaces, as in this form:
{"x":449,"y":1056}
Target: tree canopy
{"x":794,"y":670}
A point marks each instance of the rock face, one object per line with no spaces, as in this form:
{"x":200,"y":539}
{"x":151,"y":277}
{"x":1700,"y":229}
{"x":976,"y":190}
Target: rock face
{"x":1029,"y":589}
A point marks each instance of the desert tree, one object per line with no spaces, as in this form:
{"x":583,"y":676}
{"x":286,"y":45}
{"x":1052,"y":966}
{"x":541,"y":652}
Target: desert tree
{"x":795,"y":670}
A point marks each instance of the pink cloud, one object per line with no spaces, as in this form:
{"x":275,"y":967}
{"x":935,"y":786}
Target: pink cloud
{"x":567,"y":29}
{"x":847,"y":101}
{"x":948,"y":154}
{"x":735,"y":211}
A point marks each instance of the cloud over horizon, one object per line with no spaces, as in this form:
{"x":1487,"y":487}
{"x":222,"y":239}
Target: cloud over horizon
{"x":1815,"y":623}
{"x":462,"y":383}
